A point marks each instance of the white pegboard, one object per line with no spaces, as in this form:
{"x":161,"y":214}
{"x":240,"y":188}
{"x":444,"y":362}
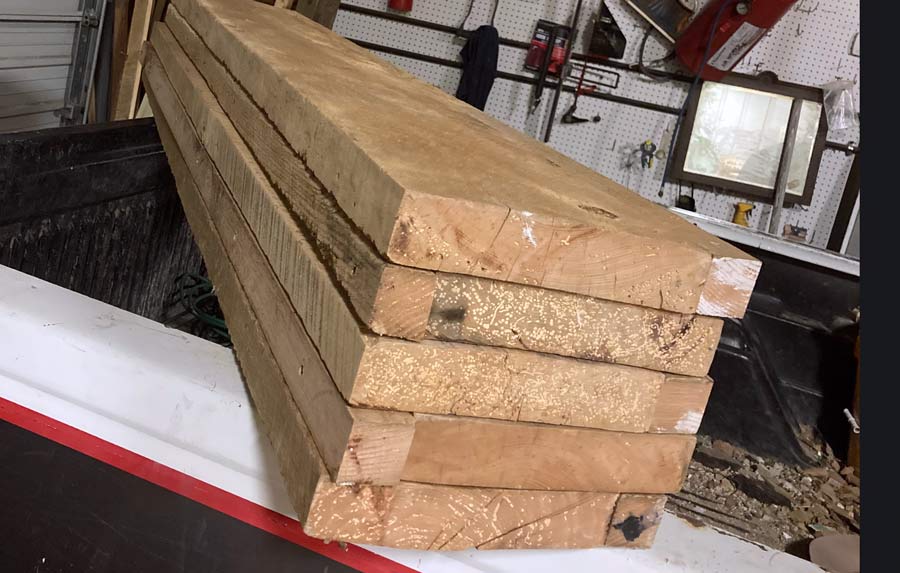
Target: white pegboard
{"x":811,"y":45}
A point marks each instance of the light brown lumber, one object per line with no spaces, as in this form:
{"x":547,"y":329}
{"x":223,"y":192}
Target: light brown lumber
{"x":484,"y":311}
{"x":437,"y":184}
{"x":484,"y":453}
{"x":433,"y":377}
{"x":141,"y":15}
{"x":680,"y":406}
{"x":529,"y":387}
{"x":395,"y":300}
{"x":635,"y":520}
{"x":409,"y":515}
{"x":121,"y":10}
{"x":357,"y":446}
{"x":593,"y":458}
{"x":127,"y":92}
{"x":417,"y":516}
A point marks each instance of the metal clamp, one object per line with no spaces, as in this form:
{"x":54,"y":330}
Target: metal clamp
{"x":90,"y":18}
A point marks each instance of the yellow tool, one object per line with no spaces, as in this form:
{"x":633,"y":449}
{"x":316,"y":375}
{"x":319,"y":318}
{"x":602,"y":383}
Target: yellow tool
{"x":742,"y":212}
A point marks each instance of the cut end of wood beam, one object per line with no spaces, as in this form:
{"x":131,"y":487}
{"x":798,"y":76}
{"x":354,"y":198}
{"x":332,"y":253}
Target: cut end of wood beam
{"x":635,"y":520}
{"x":490,"y":453}
{"x":377,"y":447}
{"x":435,"y":518}
{"x":681,"y":404}
{"x":729,"y":286}
{"x":495,"y":313}
{"x":446,"y":378}
{"x":403,"y":303}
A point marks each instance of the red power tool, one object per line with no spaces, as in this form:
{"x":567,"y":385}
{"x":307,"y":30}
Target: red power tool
{"x":739,"y":27}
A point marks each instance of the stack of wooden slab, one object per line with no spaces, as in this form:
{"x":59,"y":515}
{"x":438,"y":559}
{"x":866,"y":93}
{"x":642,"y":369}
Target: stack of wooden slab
{"x":455,"y":336}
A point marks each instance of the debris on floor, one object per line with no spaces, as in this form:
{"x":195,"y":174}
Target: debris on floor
{"x":765,"y":501}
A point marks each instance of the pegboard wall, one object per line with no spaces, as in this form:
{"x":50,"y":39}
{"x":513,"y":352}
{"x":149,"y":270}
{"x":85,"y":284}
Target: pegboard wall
{"x":811,"y":45}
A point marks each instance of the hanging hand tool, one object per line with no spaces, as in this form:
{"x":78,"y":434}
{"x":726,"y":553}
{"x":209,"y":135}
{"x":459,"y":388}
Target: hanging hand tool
{"x":538,"y":93}
{"x":648,"y":149}
{"x":564,"y":69}
{"x":569,"y":116}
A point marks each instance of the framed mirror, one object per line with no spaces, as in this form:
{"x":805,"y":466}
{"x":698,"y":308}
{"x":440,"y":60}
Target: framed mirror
{"x":734,"y":133}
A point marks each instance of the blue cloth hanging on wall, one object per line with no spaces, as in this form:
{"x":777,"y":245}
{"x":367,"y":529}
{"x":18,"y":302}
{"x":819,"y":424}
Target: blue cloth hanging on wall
{"x":479,"y":57}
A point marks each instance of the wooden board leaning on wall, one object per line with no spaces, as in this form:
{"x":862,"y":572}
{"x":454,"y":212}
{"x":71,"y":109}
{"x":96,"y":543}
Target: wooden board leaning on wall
{"x":436,"y":184}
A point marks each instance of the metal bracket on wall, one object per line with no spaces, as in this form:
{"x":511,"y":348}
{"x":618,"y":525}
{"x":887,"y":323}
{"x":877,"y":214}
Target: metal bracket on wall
{"x":84,"y":60}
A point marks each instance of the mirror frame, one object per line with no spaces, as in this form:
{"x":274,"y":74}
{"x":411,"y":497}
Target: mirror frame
{"x":765,"y":82}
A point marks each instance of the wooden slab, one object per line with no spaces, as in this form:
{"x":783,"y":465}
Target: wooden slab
{"x":437,"y":184}
{"x":409,"y":515}
{"x":480,"y":452}
{"x":528,"y":387}
{"x":408,"y":303}
{"x":447,"y":378}
{"x":484,"y":311}
{"x":416,"y":516}
{"x":130,"y":81}
{"x":371,"y":447}
{"x":121,"y":10}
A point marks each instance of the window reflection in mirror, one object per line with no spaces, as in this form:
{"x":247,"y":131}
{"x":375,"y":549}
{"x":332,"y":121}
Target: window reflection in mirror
{"x":738,"y":134}
{"x":733,"y":137}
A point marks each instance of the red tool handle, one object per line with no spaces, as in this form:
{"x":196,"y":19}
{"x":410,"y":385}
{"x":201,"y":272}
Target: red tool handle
{"x":400,"y":5}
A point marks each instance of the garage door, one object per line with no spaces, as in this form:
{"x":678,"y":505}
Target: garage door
{"x":47,"y":55}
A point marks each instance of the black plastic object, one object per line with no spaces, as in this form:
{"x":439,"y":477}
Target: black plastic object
{"x":63,"y":511}
{"x":606,"y":39}
{"x":788,"y":363}
{"x":669,"y":17}
{"x":479,"y":57}
{"x":94,"y":209}
{"x":686,"y":202}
